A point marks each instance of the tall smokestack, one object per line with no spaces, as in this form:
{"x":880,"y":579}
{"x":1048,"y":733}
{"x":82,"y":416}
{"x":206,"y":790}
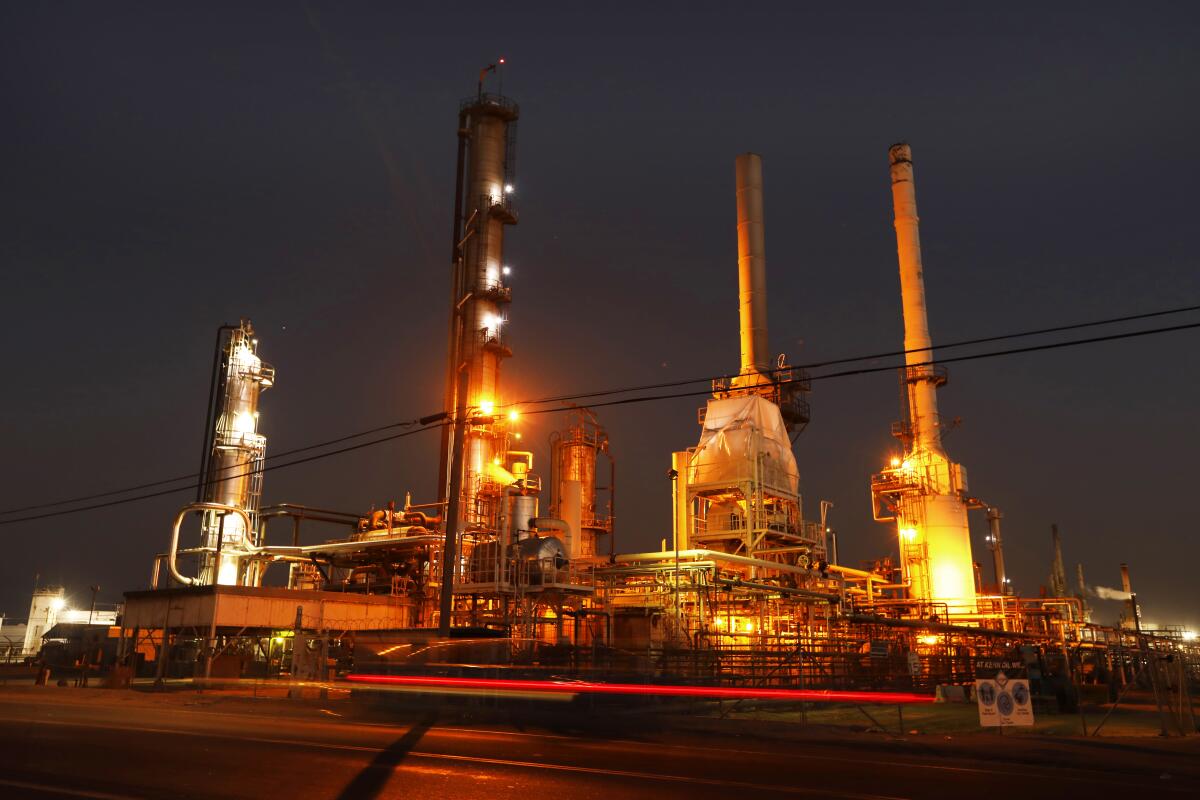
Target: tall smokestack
{"x":1058,"y":575}
{"x":922,"y":382}
{"x":752,"y":266}
{"x":930,"y":501}
{"x":1127,"y":587}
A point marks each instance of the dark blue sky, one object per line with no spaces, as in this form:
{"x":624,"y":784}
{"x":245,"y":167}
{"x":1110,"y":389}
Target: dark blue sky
{"x":167,"y":170}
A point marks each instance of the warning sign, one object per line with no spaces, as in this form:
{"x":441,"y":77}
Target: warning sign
{"x":1004,"y":701}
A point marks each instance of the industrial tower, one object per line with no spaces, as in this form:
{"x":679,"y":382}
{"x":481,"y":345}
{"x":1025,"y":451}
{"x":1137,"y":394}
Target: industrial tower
{"x":480,"y":297}
{"x":923,"y":491}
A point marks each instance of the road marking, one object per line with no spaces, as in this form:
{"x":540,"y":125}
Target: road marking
{"x":1008,"y":773}
{"x":658,"y":776}
{"x":501,"y":762}
{"x":42,"y":787}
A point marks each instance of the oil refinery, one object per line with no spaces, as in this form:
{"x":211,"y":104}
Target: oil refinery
{"x":520,"y":565}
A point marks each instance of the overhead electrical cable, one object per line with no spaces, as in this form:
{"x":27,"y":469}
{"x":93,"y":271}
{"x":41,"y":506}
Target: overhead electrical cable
{"x":192,"y":487}
{"x":442,"y":419}
{"x":889,"y":354}
{"x":191,"y":476}
{"x":606,"y":392}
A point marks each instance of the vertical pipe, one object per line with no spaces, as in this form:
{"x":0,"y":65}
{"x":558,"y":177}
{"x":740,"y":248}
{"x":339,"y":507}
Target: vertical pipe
{"x":612,"y":507}
{"x":210,"y":419}
{"x":994,"y":516}
{"x":679,"y":501}
{"x":923,"y":412}
{"x":454,"y":345}
{"x":752,"y":265}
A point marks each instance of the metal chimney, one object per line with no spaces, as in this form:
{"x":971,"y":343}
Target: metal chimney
{"x":922,"y":381}
{"x":752,"y":266}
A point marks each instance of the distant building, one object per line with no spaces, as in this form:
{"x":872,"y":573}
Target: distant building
{"x":43,"y":614}
{"x":12,"y":640}
{"x":48,"y":608}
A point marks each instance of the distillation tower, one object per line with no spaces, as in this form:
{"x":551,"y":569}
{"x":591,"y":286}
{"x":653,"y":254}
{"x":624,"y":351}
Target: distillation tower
{"x":233,"y":458}
{"x":480,"y":297}
{"x":923,"y":491}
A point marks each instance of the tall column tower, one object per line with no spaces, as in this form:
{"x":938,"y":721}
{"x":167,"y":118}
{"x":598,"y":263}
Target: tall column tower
{"x":923,"y":491}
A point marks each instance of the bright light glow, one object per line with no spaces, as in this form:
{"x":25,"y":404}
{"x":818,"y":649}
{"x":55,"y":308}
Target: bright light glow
{"x":895,"y":462}
{"x":508,"y":188}
{"x":487,"y":407}
{"x":908,"y":533}
{"x":492,"y":323}
{"x":1189,"y":636}
{"x":947,"y":580}
{"x":506,"y":270}
{"x":243,"y":422}
{"x":928,"y":639}
{"x":496,"y":461}
{"x":517,"y":435}
{"x":906,"y":464}
{"x":58,"y":604}
{"x":514,"y":415}
{"x":589,"y":687}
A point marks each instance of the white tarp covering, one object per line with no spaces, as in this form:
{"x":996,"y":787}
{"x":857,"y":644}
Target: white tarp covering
{"x":737,"y":429}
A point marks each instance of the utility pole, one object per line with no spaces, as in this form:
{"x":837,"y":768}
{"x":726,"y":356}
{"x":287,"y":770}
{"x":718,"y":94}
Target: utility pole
{"x":450,"y":545}
{"x":95,"y":590}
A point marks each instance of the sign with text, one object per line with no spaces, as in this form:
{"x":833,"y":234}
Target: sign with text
{"x":1003,"y":701}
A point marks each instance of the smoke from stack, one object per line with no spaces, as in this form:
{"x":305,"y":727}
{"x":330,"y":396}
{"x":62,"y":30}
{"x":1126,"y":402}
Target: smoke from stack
{"x":1105,"y":593}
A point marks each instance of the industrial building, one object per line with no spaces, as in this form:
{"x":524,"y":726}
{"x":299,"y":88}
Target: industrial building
{"x":747,"y":589}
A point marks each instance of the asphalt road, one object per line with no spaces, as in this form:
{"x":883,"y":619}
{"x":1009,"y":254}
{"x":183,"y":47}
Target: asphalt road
{"x":105,"y":746}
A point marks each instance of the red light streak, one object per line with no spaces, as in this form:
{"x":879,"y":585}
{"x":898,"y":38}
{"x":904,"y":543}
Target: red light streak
{"x":588,"y":687}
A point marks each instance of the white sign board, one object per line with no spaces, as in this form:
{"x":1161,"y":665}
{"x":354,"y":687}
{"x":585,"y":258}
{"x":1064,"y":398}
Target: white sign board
{"x":1004,"y":701}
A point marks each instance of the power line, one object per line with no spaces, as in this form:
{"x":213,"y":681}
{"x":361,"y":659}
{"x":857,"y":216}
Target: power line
{"x":194,"y":475}
{"x":442,"y":420}
{"x":607,"y":392}
{"x":870,"y":370}
{"x":889,"y":354}
{"x":192,"y":487}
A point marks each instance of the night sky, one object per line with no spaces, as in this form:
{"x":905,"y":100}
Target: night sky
{"x":168,"y":170}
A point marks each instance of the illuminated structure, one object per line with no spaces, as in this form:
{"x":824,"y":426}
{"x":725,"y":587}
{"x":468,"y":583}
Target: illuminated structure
{"x":45,"y":606}
{"x":742,"y":589}
{"x":574,"y":454}
{"x":231,"y":465}
{"x":737,"y":491}
{"x":480,"y":297}
{"x":923,"y":491}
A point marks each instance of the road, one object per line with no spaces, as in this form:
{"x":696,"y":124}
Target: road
{"x":114,"y":746}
